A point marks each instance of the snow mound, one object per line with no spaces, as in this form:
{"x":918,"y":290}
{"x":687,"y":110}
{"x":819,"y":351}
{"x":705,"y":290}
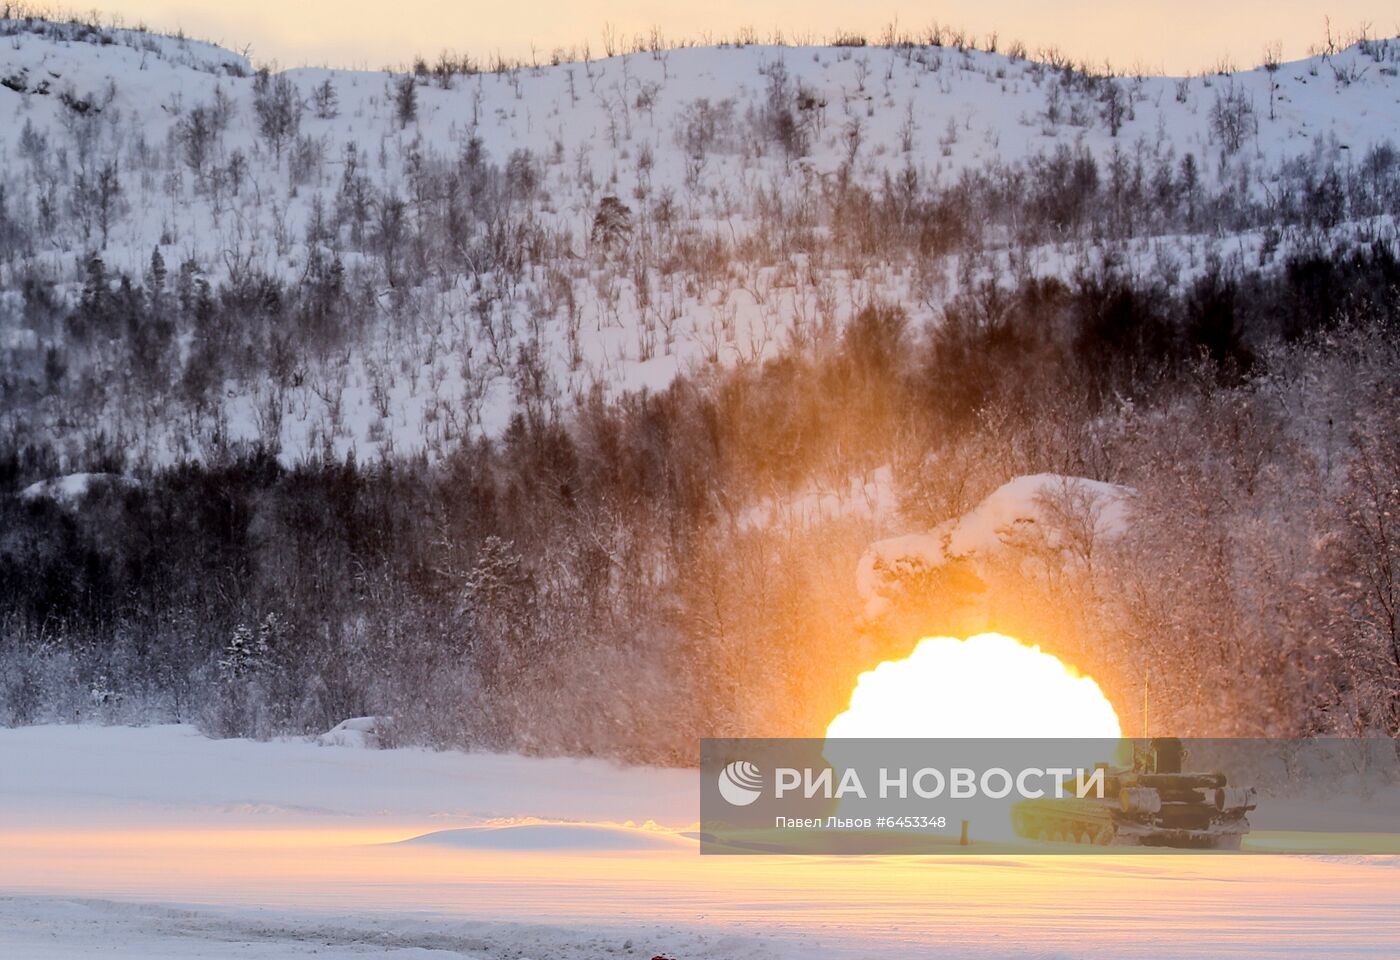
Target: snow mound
{"x":550,"y":836}
{"x":69,"y":490}
{"x":364,"y":732}
{"x":1014,"y":509}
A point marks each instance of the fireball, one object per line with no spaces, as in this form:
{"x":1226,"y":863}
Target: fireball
{"x":989,"y":685}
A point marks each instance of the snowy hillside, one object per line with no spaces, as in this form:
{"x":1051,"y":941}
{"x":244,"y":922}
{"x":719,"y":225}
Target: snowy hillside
{"x":394,"y":262}
{"x":530,"y":404}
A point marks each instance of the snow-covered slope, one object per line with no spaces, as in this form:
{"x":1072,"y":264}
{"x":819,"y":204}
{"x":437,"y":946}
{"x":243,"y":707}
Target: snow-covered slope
{"x":701,"y":146}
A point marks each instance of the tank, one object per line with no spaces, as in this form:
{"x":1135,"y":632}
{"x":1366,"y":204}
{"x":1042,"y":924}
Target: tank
{"x":1154,"y":804}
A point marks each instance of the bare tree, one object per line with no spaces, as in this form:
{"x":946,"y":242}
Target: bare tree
{"x":1116,"y":106}
{"x":195,"y":133}
{"x":1273,"y":59}
{"x":278,"y":109}
{"x":97,"y":199}
{"x":1232,"y":117}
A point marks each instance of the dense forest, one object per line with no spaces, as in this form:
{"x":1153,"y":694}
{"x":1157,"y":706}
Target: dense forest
{"x":581,"y":584}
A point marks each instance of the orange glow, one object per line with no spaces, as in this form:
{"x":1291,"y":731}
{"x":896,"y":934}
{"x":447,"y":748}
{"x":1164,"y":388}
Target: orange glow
{"x":990,"y":685}
{"x":962,"y":903}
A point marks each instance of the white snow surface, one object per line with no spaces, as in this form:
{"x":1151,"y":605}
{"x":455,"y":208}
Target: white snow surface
{"x":156,"y":842}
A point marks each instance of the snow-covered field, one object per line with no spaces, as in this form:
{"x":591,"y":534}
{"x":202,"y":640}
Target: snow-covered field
{"x":156,"y":842}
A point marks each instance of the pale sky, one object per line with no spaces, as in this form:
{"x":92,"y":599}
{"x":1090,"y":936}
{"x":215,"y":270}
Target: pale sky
{"x":1171,"y":35}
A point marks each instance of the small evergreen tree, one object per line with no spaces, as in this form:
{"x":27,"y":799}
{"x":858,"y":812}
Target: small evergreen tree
{"x":324,"y":101}
{"x":240,"y":654}
{"x":406,"y":99}
{"x":612,"y":223}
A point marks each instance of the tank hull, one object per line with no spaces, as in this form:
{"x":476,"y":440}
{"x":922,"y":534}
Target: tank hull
{"x":1192,"y":811}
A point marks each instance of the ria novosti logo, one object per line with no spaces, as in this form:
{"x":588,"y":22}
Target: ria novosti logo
{"x":741,"y":783}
